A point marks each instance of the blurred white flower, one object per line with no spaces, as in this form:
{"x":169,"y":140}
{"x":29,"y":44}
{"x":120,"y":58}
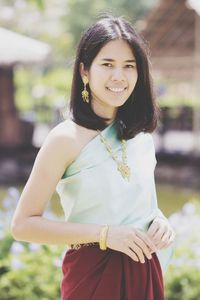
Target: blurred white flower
{"x":7,"y":203}
{"x":14,"y":193}
{"x":174,"y":219}
{"x":11,"y":198}
{"x":188,"y":209}
{"x":2,"y":233}
{"x":57,"y":262}
{"x":186,"y":224}
{"x":16,"y":263}
{"x":34,"y":247}
{"x":16,"y":248}
{"x":198,"y":263}
{"x":196,"y":249}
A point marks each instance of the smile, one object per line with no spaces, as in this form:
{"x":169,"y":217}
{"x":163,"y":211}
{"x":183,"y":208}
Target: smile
{"x":116,"y":90}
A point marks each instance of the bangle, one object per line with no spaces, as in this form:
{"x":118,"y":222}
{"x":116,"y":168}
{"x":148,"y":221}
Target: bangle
{"x":103,"y":236}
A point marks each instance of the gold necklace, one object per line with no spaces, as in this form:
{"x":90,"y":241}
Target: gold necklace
{"x":122,"y":166}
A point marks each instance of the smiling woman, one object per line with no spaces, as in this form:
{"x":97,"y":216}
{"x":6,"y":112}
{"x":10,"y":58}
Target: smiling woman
{"x":111,"y":57}
{"x":111,"y":84}
{"x":101,"y":162}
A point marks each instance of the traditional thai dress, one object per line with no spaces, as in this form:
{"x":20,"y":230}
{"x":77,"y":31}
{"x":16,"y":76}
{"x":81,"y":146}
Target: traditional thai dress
{"x":93,"y":191}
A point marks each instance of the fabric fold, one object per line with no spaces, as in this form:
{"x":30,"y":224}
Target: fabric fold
{"x":92,"y":274}
{"x":93,"y":191}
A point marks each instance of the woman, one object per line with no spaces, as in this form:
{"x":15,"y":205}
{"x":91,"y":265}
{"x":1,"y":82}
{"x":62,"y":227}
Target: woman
{"x":101,"y":162}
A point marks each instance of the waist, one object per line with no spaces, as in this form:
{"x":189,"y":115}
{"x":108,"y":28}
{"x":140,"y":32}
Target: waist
{"x":78,"y":246}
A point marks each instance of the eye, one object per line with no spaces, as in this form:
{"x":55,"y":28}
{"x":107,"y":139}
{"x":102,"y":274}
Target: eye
{"x":130,"y":66}
{"x":106,"y":64}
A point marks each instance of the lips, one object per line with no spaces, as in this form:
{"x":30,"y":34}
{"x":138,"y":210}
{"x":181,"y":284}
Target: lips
{"x":116,"y":89}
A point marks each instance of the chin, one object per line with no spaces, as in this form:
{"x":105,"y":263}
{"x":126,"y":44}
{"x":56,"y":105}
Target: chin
{"x":120,"y":103}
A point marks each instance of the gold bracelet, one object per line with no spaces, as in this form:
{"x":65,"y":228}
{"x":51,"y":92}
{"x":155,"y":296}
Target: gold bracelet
{"x":103,"y":236}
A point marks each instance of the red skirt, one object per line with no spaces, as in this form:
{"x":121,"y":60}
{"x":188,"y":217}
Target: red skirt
{"x":92,"y":274}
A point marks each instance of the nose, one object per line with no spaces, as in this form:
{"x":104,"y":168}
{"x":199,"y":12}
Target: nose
{"x":117,"y":75}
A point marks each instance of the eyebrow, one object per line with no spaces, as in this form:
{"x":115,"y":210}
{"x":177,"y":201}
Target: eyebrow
{"x":110,"y":59}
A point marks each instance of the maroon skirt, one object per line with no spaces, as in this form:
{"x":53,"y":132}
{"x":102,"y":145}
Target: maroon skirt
{"x":92,"y":274}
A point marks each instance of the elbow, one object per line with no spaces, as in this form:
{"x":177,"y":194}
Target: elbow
{"x":16,"y":230}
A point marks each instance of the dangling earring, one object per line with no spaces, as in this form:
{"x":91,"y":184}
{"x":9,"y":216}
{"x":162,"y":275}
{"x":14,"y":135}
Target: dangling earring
{"x":85,"y":94}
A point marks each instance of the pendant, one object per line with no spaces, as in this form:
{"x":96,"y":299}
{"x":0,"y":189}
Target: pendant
{"x":125,"y":170}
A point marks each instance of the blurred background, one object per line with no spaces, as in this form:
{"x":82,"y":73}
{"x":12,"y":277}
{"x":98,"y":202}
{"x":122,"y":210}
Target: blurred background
{"x":38,"y":39}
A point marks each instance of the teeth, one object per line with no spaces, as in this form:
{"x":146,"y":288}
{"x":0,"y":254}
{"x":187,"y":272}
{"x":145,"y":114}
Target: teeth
{"x":116,"y":90}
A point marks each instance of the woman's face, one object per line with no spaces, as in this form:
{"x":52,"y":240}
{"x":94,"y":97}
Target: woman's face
{"x":112,"y":75}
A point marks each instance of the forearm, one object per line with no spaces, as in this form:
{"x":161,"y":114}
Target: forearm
{"x":37,"y":229}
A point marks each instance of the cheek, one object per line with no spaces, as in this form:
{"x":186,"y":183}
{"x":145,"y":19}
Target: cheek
{"x":96,"y":77}
{"x":134,"y":77}
{"x":96,"y":72}
{"x":132,"y":80}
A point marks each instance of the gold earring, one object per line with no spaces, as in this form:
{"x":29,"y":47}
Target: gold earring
{"x":85,"y":94}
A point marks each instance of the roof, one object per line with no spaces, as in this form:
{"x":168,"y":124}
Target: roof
{"x":170,"y":28}
{"x":16,"y":49}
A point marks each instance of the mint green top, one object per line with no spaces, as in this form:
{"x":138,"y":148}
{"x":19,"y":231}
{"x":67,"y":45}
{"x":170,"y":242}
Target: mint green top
{"x":92,"y":190}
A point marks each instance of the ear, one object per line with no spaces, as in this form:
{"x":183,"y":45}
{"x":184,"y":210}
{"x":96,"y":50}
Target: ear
{"x":82,"y":71}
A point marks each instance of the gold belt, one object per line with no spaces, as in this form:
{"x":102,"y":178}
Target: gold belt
{"x":78,"y":246}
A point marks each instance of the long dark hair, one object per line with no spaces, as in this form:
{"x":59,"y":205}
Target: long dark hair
{"x":139,"y":112}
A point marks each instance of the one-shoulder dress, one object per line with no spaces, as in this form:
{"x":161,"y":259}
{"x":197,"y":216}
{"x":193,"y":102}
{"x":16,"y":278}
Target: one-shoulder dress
{"x":93,"y":191}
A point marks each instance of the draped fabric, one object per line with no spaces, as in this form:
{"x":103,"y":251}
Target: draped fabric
{"x":92,"y":190}
{"x":92,"y":274}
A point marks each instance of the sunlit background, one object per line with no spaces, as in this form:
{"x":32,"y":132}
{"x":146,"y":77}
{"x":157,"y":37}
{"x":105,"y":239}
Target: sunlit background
{"x":38,"y":39}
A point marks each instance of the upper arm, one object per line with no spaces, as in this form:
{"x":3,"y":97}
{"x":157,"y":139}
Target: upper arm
{"x":51,"y":161}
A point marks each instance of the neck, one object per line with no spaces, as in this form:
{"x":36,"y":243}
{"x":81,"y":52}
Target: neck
{"x":104,"y":111}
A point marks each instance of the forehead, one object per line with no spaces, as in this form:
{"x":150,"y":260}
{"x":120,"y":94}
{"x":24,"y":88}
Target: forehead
{"x":117,"y":50}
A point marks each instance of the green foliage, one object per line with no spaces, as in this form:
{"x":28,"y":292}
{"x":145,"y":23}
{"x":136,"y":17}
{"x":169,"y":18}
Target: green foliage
{"x":183,"y":276}
{"x":41,"y":92}
{"x":183,"y":283}
{"x":32,"y":271}
{"x":36,"y":273}
{"x":39,"y":3}
{"x":29,"y":274}
{"x":82,"y":13}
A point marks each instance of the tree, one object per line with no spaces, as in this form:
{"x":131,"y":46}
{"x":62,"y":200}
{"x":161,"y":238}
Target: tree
{"x":81,"y":13}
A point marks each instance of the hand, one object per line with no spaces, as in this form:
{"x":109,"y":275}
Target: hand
{"x":161,"y":233}
{"x":131,"y":241}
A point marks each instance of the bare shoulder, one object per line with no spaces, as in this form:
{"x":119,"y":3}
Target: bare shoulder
{"x":59,"y":149}
{"x":62,"y":139}
{"x":69,"y":138}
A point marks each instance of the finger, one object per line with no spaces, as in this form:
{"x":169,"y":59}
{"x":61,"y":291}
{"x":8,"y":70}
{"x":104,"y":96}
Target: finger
{"x":172,"y":237}
{"x":139,"y":242}
{"x":166,"y":236}
{"x":158,"y":235}
{"x":131,"y":254}
{"x":153,"y":228}
{"x":146,"y":239}
{"x":138,"y":252}
{"x":168,"y":241}
{"x":161,"y":245}
{"x":167,"y":245}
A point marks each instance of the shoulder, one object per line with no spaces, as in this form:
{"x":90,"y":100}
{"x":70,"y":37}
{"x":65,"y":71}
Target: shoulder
{"x":144,"y":138}
{"x":62,"y":133}
{"x":146,"y":144}
{"x":66,"y":139}
{"x":147,"y":137}
{"x":61,"y":143}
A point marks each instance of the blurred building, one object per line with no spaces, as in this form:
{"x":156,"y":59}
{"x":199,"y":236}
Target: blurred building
{"x":172,"y":29}
{"x":16,"y":49}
